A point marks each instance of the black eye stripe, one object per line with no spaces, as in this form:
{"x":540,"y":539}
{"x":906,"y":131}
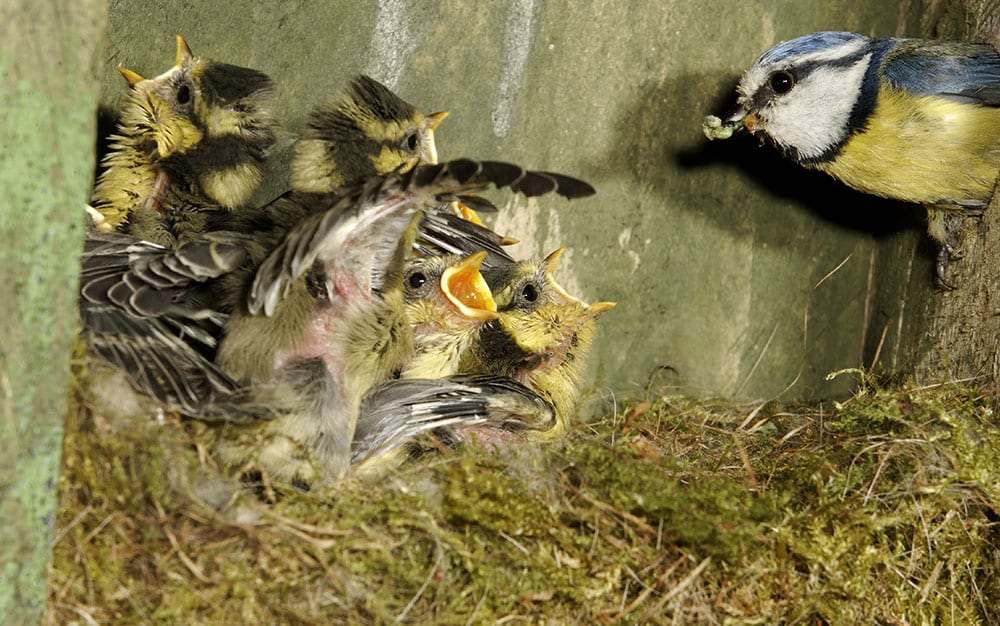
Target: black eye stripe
{"x":801,"y":71}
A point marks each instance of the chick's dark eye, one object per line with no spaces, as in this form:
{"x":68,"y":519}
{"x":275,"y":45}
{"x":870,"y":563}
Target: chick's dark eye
{"x":529,"y":292}
{"x":183,"y":94}
{"x":412,"y":140}
{"x":781,"y":82}
{"x":417,"y":280}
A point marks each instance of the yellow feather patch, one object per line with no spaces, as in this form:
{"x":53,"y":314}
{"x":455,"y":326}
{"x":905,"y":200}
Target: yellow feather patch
{"x":233,"y":186}
{"x":563,"y":333}
{"x":312,"y":169}
{"x":379,"y":129}
{"x":923,"y":149}
{"x":220,"y":121}
{"x":176,"y":135}
{"x":123,"y":186}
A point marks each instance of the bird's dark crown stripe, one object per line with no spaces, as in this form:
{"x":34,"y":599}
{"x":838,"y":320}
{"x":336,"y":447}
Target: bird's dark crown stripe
{"x":222,"y":83}
{"x":382,"y":102}
{"x":333,"y":124}
{"x":800,"y":72}
{"x":343,"y":135}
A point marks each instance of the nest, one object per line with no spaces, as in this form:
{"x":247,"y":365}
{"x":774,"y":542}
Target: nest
{"x":881,"y":509}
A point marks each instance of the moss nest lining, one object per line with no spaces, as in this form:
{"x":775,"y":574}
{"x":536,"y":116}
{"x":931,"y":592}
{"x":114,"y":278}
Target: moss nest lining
{"x":880,"y":509}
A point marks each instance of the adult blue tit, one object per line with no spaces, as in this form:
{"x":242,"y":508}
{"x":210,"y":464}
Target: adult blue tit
{"x":910,"y":119}
{"x":366,"y":131}
{"x":190,"y":140}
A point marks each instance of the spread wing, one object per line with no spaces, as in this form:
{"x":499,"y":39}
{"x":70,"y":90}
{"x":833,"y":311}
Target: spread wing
{"x":396,"y":411}
{"x":135,"y":313}
{"x":356,"y":213}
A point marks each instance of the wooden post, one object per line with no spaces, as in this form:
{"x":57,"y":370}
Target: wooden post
{"x":48,"y":96}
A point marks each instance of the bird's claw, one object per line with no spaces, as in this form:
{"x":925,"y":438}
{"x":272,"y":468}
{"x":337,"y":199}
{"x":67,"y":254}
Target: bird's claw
{"x":946,"y":254}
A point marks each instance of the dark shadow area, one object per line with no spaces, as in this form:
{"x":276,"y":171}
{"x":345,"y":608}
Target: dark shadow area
{"x":107,"y":120}
{"x":764,"y":167}
{"x":659,"y":150}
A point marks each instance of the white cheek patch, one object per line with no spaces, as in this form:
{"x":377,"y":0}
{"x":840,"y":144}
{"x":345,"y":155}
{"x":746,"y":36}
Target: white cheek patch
{"x":813,"y":117}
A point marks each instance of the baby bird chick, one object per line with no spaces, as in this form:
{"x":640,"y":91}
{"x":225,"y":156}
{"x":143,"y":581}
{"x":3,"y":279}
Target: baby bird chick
{"x":189,"y":141}
{"x":541,"y":338}
{"x":447,"y":302}
{"x":314,"y":319}
{"x":365,"y":132}
{"x":520,"y":374}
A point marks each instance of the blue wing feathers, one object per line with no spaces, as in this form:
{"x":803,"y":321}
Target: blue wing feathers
{"x":967,"y":72}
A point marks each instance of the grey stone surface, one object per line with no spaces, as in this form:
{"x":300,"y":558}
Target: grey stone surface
{"x":715,"y":253}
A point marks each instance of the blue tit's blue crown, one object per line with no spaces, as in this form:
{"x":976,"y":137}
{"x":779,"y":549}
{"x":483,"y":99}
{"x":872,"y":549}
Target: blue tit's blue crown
{"x":807,"y":44}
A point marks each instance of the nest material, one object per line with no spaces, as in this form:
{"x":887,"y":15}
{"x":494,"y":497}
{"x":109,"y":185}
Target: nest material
{"x":879,"y":510}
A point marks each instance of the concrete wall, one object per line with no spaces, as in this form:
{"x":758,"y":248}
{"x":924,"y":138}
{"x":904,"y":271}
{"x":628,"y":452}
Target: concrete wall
{"x":716,"y":253}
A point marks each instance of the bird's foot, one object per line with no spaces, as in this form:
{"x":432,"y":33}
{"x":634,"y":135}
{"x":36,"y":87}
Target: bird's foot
{"x":946,"y":254}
